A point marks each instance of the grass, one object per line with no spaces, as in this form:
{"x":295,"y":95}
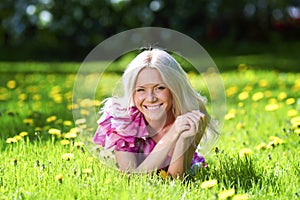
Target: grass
{"x":257,"y":154}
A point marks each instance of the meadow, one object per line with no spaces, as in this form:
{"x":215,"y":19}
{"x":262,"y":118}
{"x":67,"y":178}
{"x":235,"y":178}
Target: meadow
{"x":44,"y":157}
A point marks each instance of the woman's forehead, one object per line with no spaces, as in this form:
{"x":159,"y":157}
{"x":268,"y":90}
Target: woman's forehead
{"x":148,"y":76}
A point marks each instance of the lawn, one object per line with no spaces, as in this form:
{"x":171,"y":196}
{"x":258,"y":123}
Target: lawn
{"x":43,"y":155}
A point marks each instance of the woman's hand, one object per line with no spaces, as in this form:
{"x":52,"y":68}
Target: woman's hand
{"x":187,"y":125}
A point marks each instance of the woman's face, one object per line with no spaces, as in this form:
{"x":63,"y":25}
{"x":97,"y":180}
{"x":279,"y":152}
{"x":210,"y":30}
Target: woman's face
{"x":152,"y":97}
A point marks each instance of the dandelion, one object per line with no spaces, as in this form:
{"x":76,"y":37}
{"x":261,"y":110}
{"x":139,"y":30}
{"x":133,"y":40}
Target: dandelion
{"x":263,"y":83}
{"x":51,"y":119}
{"x":243,"y":95}
{"x":231,"y":91}
{"x":67,"y":123}
{"x":23,"y":133}
{"x":164,"y":174}
{"x":245,"y":152}
{"x":71,"y":135}
{"x":22,"y":97}
{"x":282,"y":95}
{"x":86,"y":103}
{"x":240,"y":125}
{"x":226,"y":193}
{"x":11,"y":140}
{"x":240,"y":197}
{"x":292,"y":113}
{"x":271,"y":107}
{"x":297,"y":131}
{"x":59,"y":178}
{"x":68,"y":156}
{"x":262,"y":145}
{"x":290,"y":101}
{"x":80,"y":121}
{"x":257,"y":96}
{"x":240,"y":104}
{"x":18,"y":137}
{"x":54,"y":131}
{"x":209,"y":184}
{"x":78,"y":144}
{"x":28,"y":121}
{"x":229,"y":116}
{"x":64,"y":142}
{"x":276,"y":140}
{"x":11,"y":84}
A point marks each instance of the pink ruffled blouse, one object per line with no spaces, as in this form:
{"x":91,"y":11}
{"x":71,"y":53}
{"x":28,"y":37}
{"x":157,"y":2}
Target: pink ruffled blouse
{"x":125,"y":130}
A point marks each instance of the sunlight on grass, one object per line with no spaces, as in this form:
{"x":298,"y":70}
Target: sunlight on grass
{"x":43,"y":154}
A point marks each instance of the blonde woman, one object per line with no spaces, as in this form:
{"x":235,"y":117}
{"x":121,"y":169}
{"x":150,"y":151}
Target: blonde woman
{"x":159,"y":121}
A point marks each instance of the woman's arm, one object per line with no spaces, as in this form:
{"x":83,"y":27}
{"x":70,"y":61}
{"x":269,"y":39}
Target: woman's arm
{"x":128,"y":162}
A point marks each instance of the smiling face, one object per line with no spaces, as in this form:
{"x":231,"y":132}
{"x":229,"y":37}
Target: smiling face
{"x":152,"y":97}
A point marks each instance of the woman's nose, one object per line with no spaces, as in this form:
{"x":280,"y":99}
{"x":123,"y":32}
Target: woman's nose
{"x":150,"y":96}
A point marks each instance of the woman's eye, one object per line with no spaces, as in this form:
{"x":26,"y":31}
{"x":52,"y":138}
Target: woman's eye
{"x":161,"y":88}
{"x":139,"y":90}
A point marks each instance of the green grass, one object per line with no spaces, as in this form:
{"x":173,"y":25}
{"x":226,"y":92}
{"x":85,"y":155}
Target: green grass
{"x":36,"y":97}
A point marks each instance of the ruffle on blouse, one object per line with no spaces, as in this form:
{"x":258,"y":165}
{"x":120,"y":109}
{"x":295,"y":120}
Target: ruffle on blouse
{"x":123,"y":130}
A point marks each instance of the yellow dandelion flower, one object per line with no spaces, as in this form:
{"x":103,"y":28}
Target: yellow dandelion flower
{"x":71,"y":135}
{"x":164,"y":174}
{"x":87,"y":171}
{"x":243,"y":95}
{"x":67,"y":156}
{"x":248,"y":88}
{"x":297,"y":131}
{"x":240,"y":125}
{"x":292,"y":113}
{"x":51,"y":119}
{"x":240,"y":197}
{"x":78,"y":144}
{"x":64,"y":142}
{"x":257,"y":96}
{"x":23,"y":133}
{"x":22,"y":97}
{"x":282,"y":95}
{"x":67,"y":123}
{"x":226,"y":193}
{"x":57,"y":98}
{"x":54,"y":131}
{"x":276,"y":140}
{"x":86,"y":103}
{"x":229,"y":116}
{"x":209,"y":184}
{"x":11,"y":84}
{"x":263,"y":83}
{"x":59,"y":177}
{"x":36,"y":97}
{"x":231,"y":91}
{"x":262,"y":145}
{"x":11,"y":140}
{"x":80,"y":121}
{"x":295,"y":120}
{"x":290,"y":101}
{"x":75,"y":130}
{"x":18,"y":137}
{"x":245,"y":152}
{"x":28,"y":121}
{"x":271,"y":107}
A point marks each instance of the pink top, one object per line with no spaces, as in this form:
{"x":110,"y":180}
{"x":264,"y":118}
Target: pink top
{"x":125,"y":130}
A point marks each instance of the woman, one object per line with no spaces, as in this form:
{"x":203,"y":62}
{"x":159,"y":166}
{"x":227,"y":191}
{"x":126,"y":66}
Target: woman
{"x":160,"y":119}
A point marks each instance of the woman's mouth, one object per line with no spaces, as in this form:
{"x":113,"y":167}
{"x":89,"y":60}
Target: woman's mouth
{"x":152,"y":107}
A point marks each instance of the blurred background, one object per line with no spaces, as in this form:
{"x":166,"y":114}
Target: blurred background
{"x":67,"y":30}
